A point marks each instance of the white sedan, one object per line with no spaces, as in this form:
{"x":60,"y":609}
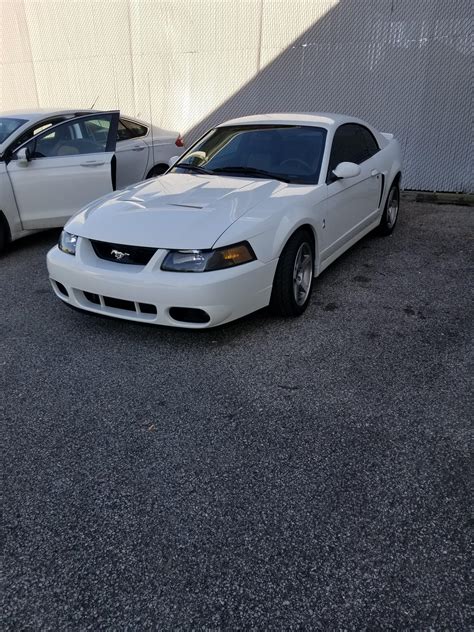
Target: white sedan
{"x":53,"y":162}
{"x":245,"y":219}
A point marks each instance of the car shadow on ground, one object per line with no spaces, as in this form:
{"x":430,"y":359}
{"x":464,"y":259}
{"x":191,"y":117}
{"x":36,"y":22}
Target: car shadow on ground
{"x":43,"y":239}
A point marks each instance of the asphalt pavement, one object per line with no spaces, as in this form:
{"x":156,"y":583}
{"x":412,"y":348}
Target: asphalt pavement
{"x":307,"y":474}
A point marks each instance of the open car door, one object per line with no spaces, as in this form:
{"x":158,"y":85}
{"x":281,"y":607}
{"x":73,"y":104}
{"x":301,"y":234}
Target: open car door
{"x":63,"y":168}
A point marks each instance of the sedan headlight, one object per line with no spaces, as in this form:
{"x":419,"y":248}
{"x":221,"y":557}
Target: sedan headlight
{"x":208,"y":260}
{"x":67,"y":243}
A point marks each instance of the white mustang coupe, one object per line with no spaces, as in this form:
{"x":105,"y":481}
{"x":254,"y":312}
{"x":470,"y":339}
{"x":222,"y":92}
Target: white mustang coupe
{"x":245,"y":219}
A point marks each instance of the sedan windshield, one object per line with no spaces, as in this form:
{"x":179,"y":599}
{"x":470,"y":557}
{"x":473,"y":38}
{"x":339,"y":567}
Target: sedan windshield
{"x":8,"y":126}
{"x":290,"y":153}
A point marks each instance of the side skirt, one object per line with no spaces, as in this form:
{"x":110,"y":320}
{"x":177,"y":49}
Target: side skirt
{"x":348,"y":244}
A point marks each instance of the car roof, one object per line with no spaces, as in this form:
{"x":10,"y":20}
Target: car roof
{"x":318,"y":119}
{"x":40,"y":113}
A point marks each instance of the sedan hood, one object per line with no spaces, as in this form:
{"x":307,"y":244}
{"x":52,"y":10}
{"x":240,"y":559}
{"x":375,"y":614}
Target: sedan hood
{"x":174,"y":211}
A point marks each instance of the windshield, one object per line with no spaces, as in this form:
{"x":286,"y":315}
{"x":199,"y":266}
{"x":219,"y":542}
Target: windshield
{"x":8,"y":126}
{"x":291,"y":153}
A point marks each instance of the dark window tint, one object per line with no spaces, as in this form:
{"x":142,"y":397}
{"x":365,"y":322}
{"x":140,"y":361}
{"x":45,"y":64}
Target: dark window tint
{"x":351,"y":143}
{"x":369,"y":141}
{"x":291,"y":152}
{"x":8,"y":126}
{"x":130,"y":129}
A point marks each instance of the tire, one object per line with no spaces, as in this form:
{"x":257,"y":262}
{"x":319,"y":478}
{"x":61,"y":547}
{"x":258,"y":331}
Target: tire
{"x":4,"y":235}
{"x":391,"y":210}
{"x":293,"y":280}
{"x":157,"y":170}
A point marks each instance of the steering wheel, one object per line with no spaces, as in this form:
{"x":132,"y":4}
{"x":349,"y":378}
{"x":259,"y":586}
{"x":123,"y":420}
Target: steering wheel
{"x":298,"y":162}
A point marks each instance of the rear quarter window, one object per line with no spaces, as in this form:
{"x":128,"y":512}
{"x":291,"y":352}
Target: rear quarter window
{"x":130,"y":129}
{"x":369,"y":142}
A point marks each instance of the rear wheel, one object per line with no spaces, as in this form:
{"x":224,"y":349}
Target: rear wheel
{"x":293,"y":280}
{"x":157,"y":170}
{"x":390,"y":213}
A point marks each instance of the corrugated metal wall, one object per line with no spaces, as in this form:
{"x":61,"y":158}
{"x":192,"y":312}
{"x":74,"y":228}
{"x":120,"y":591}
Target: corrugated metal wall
{"x":404,"y":65}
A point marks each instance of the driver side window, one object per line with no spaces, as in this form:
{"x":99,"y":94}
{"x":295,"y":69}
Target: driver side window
{"x":351,"y":143}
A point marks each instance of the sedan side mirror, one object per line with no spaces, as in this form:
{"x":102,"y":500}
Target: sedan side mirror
{"x":173,"y":160}
{"x":23,"y":156}
{"x":346,"y":170}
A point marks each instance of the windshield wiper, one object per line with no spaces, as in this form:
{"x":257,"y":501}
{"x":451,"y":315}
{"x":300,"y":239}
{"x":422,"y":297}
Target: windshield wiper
{"x":185,"y":165}
{"x":251,"y":171}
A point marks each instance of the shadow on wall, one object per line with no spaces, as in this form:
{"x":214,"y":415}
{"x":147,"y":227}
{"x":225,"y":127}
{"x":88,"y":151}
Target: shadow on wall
{"x":400,"y":65}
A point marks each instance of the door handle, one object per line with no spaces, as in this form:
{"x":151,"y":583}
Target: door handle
{"x":138,"y":148}
{"x":374,"y":172}
{"x":92,"y":164}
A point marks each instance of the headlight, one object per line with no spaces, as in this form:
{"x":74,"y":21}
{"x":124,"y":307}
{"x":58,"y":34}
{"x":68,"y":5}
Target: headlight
{"x":67,"y":243}
{"x":208,"y":260}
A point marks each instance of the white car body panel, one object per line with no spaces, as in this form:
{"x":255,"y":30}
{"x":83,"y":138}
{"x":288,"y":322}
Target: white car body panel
{"x":132,"y":161}
{"x":159,"y":209}
{"x":50,"y":190}
{"x":162,"y":147}
{"x":360,"y":196}
{"x":185,"y":211}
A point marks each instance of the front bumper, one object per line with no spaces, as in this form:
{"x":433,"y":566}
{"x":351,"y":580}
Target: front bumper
{"x":223,"y":295}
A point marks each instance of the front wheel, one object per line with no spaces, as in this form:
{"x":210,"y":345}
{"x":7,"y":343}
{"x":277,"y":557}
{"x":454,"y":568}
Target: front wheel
{"x":293,"y":280}
{"x":4,"y":235}
{"x":390,"y":213}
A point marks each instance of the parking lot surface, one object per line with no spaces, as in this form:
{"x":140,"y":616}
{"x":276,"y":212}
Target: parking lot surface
{"x":272,"y":474}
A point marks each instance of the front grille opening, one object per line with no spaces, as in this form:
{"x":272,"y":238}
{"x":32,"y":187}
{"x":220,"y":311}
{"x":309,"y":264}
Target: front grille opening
{"x":189,"y":315}
{"x":118,"y":303}
{"x":119,"y":253}
{"x":146,"y":308}
{"x":61,"y":288}
{"x":92,"y":298}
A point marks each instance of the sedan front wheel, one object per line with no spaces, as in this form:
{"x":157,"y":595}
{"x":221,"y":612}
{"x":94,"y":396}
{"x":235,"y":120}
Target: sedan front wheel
{"x":293,"y":280}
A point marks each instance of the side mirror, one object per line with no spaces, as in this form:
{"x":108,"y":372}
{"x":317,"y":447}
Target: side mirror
{"x":172,"y":161}
{"x":23,"y":156}
{"x":346,"y":170}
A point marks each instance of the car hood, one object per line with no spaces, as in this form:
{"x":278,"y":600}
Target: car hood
{"x":174,"y":211}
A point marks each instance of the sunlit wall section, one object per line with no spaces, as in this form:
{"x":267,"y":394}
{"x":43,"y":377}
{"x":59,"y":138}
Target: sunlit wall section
{"x":191,"y":56}
{"x":17,"y":73}
{"x":81,"y":53}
